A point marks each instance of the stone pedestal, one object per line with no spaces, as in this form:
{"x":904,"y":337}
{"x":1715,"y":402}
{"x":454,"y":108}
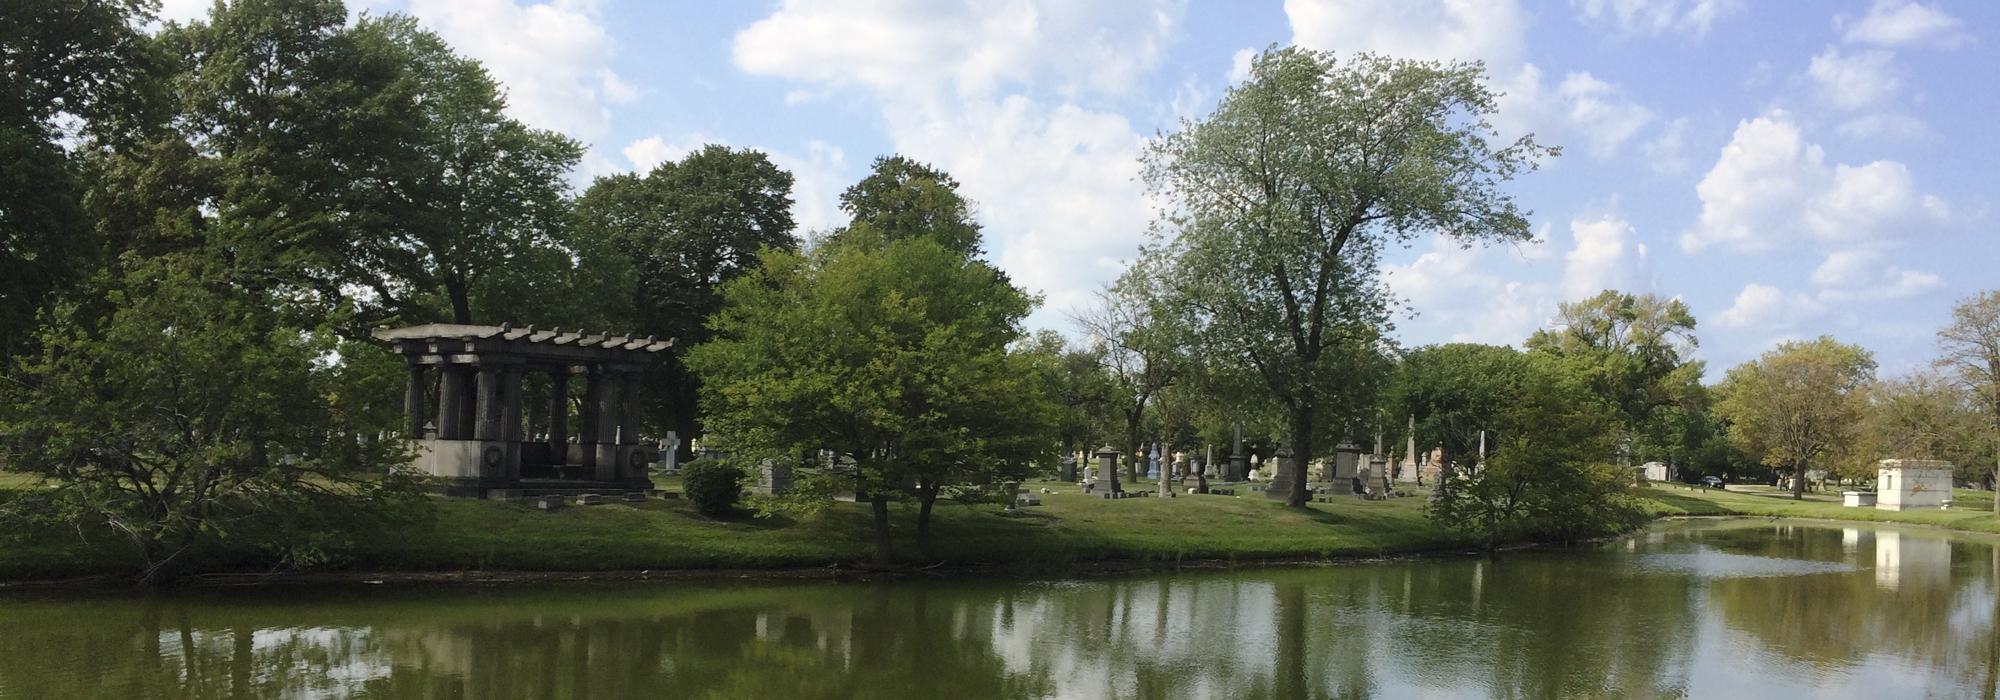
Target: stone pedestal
{"x":773,"y":478}
{"x":1066,"y":469}
{"x":1280,"y":488}
{"x":1107,"y":471}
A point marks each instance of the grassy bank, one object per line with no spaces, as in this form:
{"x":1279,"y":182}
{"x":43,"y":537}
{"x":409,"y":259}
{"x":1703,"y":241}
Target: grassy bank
{"x":1067,"y":529}
{"x":1972,"y":511}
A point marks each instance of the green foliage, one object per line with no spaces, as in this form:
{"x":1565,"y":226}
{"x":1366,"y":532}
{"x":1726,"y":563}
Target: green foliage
{"x":901,"y":197}
{"x":1636,"y":350}
{"x":673,"y":237}
{"x":1545,"y":476}
{"x":1798,"y":406}
{"x":1454,"y":391}
{"x":1969,"y":350}
{"x":188,"y":416}
{"x":1922,"y":415}
{"x":1289,"y":191}
{"x":888,"y":348}
{"x":714,"y":486}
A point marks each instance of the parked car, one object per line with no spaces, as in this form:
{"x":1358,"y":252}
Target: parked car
{"x":1712,"y":481}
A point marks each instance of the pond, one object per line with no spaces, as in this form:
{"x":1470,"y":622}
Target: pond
{"x":1761,"y":609}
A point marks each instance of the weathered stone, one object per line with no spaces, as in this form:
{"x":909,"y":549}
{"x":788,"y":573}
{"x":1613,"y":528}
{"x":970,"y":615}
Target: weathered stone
{"x":670,"y":495}
{"x":635,"y":496}
{"x":590,"y":499}
{"x":547,"y":502}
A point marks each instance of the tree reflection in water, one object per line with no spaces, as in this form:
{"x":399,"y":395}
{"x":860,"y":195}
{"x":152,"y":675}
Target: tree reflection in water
{"x":1735,"y":609}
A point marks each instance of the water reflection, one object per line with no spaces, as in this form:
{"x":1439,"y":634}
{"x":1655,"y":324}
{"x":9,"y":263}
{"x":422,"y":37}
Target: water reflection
{"x":1707,"y":610}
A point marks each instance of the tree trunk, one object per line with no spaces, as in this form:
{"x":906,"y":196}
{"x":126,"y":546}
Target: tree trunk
{"x":1302,"y":450}
{"x":884,"y":548}
{"x":1799,"y":482}
{"x":926,"y":497}
{"x":461,"y":302}
{"x":1132,"y":419}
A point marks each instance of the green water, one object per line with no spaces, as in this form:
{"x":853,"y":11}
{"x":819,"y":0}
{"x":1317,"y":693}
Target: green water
{"x":1748,"y":609}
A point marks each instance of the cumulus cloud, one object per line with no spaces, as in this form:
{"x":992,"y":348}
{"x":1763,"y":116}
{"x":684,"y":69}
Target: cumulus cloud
{"x":1463,"y":300}
{"x":1769,"y":185}
{"x":1607,"y":255}
{"x":1056,"y":183}
{"x":1858,"y":275}
{"x":649,"y":152}
{"x":553,"y":58}
{"x":1239,"y":65}
{"x":1898,"y":23}
{"x":975,"y":47}
{"x":1764,"y":307}
{"x":818,"y":177}
{"x":1579,"y":108}
{"x":1656,"y":17}
{"x":1855,"y":80}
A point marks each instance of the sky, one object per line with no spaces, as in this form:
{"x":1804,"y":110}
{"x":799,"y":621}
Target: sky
{"x":1788,"y":169}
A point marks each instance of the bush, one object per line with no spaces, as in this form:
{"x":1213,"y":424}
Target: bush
{"x":713,"y":485}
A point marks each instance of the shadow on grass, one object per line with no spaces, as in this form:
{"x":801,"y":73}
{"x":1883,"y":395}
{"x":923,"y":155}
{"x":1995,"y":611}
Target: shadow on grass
{"x":1688,"y":505}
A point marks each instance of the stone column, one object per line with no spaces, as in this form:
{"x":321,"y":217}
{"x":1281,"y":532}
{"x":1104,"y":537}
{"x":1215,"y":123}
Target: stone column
{"x":1107,"y":469}
{"x":451,"y":394}
{"x":587,"y":415}
{"x":1239,"y":465}
{"x":487,"y":406}
{"x":413,"y":399}
{"x":559,"y":416}
{"x":628,"y":410}
{"x":605,"y":435}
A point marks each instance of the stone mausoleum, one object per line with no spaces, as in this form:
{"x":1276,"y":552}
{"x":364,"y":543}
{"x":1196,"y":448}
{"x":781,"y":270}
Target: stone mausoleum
{"x":1912,"y":484}
{"x":473,"y":439}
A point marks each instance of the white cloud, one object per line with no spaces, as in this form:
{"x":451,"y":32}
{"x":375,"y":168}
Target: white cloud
{"x":1666,"y":153}
{"x":1770,"y":185}
{"x":975,"y":47}
{"x":1855,"y":80}
{"x":1056,"y":183}
{"x":1489,"y":30}
{"x":1600,"y":112}
{"x":648,"y":153}
{"x":1857,"y":275}
{"x":1462,"y":300}
{"x":1239,"y":65}
{"x":1885,"y":125}
{"x":818,"y":178}
{"x":1607,"y":256}
{"x":1904,"y":23}
{"x":553,"y":58}
{"x":1656,"y":17}
{"x":1761,"y":306}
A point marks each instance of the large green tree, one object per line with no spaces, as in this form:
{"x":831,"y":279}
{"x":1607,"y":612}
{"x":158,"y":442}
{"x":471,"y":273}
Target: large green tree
{"x":1453,"y":392}
{"x":192,"y":415}
{"x":1140,"y":349}
{"x":1970,"y":349}
{"x":485,"y":194}
{"x":1284,"y":196}
{"x":1636,"y":350}
{"x":77,"y":80}
{"x":1798,"y":406}
{"x":683,"y":231}
{"x":888,"y":346}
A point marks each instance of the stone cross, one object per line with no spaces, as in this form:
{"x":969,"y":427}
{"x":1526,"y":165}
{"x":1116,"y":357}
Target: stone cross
{"x":673,"y":452}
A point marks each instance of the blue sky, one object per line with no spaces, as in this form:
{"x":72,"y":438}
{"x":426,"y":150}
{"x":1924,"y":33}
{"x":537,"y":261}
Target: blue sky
{"x":1789,"y":169}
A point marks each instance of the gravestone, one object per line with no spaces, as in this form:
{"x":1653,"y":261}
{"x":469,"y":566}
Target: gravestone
{"x":590,"y":499}
{"x":1067,"y":469}
{"x":1376,"y":477}
{"x":1239,"y":466}
{"x":773,"y":479}
{"x":1013,"y":491}
{"x":670,"y":453}
{"x":1153,"y":462}
{"x":547,"y":502}
{"x":1281,"y":477}
{"x":1107,"y":471}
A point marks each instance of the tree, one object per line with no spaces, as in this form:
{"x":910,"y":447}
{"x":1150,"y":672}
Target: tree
{"x":889,"y":348}
{"x":1798,"y":405}
{"x":190,"y":416}
{"x":1970,"y":350}
{"x":77,"y":79}
{"x":1636,"y":350}
{"x":1923,"y":415}
{"x":1285,"y":195}
{"x":1138,"y":350}
{"x":683,"y":231}
{"x":1454,"y":392}
{"x":1075,"y":381}
{"x":484,"y":194}
{"x":1545,"y":475}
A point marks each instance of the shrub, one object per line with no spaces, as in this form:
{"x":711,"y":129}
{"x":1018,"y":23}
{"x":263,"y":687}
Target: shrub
{"x":713,"y":485}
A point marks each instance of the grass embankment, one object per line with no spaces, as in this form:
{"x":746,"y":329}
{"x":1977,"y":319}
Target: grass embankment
{"x":469,"y":535}
{"x":1972,"y":511}
{"x":1068,"y":529}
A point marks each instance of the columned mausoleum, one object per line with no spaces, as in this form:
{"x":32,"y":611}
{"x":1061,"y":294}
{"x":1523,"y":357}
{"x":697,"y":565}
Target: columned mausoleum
{"x":474,"y":437}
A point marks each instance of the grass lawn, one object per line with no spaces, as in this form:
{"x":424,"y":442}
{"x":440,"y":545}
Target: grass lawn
{"x":471,"y":535}
{"x":1971,"y":511}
